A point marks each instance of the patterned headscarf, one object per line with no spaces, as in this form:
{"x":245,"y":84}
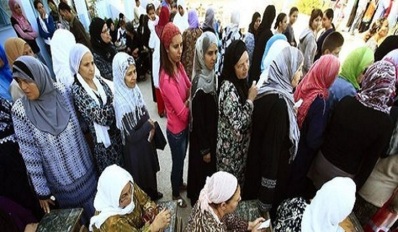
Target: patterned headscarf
{"x":126,"y":100}
{"x":220,"y":187}
{"x":169,"y":31}
{"x":193,"y":19}
{"x":393,"y":58}
{"x":14,"y":48}
{"x":355,"y":63}
{"x":281,"y":74}
{"x":49,"y":112}
{"x":377,"y":86}
{"x":316,"y":83}
{"x":110,"y":185}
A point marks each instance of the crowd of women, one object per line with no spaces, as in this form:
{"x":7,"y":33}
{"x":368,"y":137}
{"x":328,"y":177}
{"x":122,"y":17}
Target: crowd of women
{"x":266,"y":117}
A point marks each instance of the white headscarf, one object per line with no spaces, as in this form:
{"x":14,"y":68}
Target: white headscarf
{"x":220,"y":187}
{"x":61,"y":43}
{"x":126,"y":100}
{"x":330,"y":206}
{"x":181,"y":21}
{"x":110,"y":185}
{"x":75,"y":57}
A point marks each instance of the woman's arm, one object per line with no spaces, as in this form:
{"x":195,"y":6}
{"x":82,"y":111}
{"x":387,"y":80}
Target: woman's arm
{"x":170,"y":91}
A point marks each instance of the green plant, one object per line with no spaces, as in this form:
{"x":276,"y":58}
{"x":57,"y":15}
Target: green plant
{"x":306,"y":6}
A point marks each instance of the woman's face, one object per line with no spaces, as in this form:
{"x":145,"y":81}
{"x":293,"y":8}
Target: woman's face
{"x":257,"y":23}
{"x":326,"y":22}
{"x":29,"y":88}
{"x":130,"y":79}
{"x":297,"y":76}
{"x":87,"y":68}
{"x":211,"y":56}
{"x":112,"y":27}
{"x":315,"y":25}
{"x":283,"y":24}
{"x":242,"y":67}
{"x":383,"y":31}
{"x":174,"y":51}
{"x":125,"y":195}
{"x":17,"y":9}
{"x":151,"y":15}
{"x":27,"y":50}
{"x":293,"y":17}
{"x":230,"y":207}
{"x":105,"y":36}
{"x":41,"y":9}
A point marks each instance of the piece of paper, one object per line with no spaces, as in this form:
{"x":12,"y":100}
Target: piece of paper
{"x":264,"y":225}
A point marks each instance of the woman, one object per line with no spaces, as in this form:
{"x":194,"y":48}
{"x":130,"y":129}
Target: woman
{"x":93,"y":100}
{"x":22,"y":26}
{"x":61,"y":44}
{"x":174,"y":86}
{"x":210,"y":21}
{"x":281,"y":23}
{"x":275,"y":133}
{"x":363,"y":140}
{"x":56,"y":155}
{"x":263,"y":35}
{"x":252,"y":33}
{"x":271,"y":51}
{"x":5,"y":76}
{"x":217,"y":201}
{"x":312,"y":117}
{"x":189,"y":38}
{"x":135,"y":125}
{"x":112,"y":30}
{"x":204,"y":113}
{"x":307,"y":39}
{"x":121,"y":205}
{"x":45,"y":24}
{"x":351,"y":74}
{"x":330,"y":206}
{"x":14,"y":48}
{"x":235,"y":112}
{"x":327,"y":24}
{"x":54,"y":12}
{"x":289,"y":32}
{"x":388,"y":45}
{"x":103,"y":49}
{"x":374,"y":39}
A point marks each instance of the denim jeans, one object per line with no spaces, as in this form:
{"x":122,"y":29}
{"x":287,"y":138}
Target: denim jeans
{"x":178,"y":145}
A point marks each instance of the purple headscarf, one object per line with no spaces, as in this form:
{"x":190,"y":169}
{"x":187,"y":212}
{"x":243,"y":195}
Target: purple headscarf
{"x":393,"y":58}
{"x":193,"y":19}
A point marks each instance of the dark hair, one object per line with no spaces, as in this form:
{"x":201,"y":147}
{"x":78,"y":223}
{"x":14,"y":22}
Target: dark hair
{"x":172,"y":15}
{"x":332,"y":41}
{"x":64,"y":6}
{"x":52,"y":1}
{"x":279,"y":19}
{"x":130,"y":27}
{"x":255,"y":16}
{"x":315,"y":14}
{"x":165,"y":62}
{"x":329,"y":13}
{"x":150,"y":7}
{"x":36,"y":2}
{"x":292,"y":10}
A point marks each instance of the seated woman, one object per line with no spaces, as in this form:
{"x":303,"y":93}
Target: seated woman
{"x":330,"y":206}
{"x":217,"y":201}
{"x":122,"y":206}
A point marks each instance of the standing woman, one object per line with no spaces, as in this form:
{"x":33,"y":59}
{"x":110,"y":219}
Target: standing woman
{"x":174,"y":86}
{"x":103,"y":49}
{"x":189,"y":38}
{"x":275,"y":133}
{"x":312,"y":117}
{"x":93,"y":100}
{"x":307,"y":39}
{"x":135,"y":125}
{"x":235,"y":111}
{"x":45,"y":24}
{"x":252,"y":33}
{"x":289,"y":32}
{"x":327,"y":24}
{"x":22,"y":26}
{"x":281,"y":23}
{"x":204,"y":113}
{"x":56,"y":155}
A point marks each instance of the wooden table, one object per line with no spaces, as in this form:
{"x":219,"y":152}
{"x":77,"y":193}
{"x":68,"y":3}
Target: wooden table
{"x":61,"y":220}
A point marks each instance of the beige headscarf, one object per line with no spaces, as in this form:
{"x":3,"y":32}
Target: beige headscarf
{"x":14,"y":48}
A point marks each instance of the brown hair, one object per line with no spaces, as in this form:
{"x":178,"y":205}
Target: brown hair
{"x":165,"y":62}
{"x":315,"y":14}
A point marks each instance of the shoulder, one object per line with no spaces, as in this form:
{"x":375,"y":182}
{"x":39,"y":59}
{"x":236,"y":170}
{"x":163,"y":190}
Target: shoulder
{"x":18,"y":108}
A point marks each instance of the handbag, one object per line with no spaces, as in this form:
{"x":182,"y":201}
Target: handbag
{"x":160,"y":140}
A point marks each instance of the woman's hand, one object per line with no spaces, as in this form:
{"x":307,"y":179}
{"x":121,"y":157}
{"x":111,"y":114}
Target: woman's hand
{"x":45,"y":204}
{"x":161,"y":221}
{"x":252,"y":92}
{"x":254,"y":224}
{"x":207,"y":158}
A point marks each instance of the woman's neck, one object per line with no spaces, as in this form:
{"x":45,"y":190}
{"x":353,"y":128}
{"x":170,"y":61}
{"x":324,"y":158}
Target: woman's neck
{"x":90,"y":82}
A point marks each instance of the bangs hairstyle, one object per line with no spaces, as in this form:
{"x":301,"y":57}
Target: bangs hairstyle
{"x":150,"y":7}
{"x":315,"y":14}
{"x":332,"y":41}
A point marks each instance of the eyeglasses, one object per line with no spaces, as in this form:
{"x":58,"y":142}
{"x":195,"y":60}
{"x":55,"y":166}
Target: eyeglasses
{"x":105,"y":31}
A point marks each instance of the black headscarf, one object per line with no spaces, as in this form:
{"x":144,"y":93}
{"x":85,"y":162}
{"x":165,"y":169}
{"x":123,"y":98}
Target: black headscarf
{"x":389,"y":44}
{"x":106,"y":50}
{"x":113,"y":33}
{"x":251,"y":25}
{"x":263,"y":34}
{"x":232,"y":55}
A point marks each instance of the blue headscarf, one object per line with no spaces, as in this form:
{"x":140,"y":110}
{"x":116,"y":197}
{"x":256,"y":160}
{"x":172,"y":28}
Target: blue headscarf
{"x":269,"y":45}
{"x":5,"y":76}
